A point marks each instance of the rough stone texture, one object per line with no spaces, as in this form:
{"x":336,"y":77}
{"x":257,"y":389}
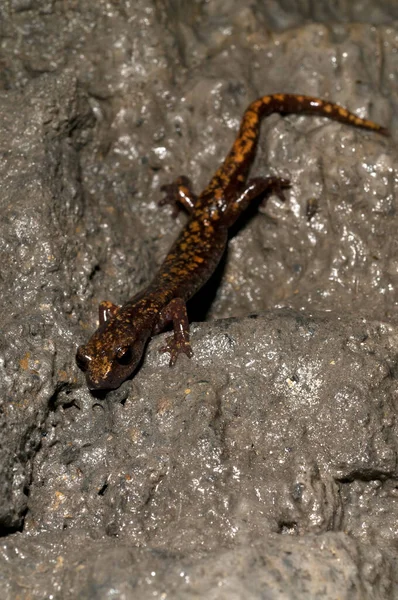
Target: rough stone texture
{"x":265,"y":467}
{"x":41,"y":202}
{"x":268,"y":568}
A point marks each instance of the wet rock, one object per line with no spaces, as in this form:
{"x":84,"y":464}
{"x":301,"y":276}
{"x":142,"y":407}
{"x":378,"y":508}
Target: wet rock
{"x":267,"y":464}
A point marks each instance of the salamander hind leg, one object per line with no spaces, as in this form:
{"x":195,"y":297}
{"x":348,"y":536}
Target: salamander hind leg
{"x":255,"y":187}
{"x":179,"y":193}
{"x":176,"y":313}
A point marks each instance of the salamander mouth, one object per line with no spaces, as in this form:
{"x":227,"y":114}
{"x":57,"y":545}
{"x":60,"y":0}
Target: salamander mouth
{"x":103,"y":384}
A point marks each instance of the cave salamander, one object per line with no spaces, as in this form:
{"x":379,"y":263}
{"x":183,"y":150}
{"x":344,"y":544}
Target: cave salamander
{"x":115,"y":349}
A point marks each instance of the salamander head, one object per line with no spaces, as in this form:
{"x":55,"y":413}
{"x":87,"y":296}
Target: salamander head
{"x":110,"y":356}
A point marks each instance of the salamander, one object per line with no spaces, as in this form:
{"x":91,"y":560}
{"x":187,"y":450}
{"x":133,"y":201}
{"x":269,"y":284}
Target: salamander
{"x":115,"y":349}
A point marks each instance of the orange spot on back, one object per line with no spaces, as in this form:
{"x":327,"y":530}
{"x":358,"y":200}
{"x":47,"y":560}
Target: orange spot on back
{"x":194,"y":226}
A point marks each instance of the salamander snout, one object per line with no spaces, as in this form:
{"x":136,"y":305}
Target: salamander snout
{"x":107,"y":368}
{"x":82,"y":359}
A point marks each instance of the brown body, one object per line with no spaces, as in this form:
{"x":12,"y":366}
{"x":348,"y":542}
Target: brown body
{"x":116,"y":348}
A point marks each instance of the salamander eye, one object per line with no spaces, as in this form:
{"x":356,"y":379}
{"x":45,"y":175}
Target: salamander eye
{"x":124,"y":356}
{"x":82,"y":359}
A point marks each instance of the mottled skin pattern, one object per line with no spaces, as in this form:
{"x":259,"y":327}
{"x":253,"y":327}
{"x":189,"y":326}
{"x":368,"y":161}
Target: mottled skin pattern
{"x":115,"y":349}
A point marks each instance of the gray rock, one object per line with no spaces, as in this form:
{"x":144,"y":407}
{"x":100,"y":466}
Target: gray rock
{"x":266,"y":466}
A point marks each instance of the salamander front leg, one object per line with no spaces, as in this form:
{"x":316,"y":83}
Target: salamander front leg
{"x":176,"y":312}
{"x":179,"y":193}
{"x":254,"y":188}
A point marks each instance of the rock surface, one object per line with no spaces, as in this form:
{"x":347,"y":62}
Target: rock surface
{"x":266,"y":466}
